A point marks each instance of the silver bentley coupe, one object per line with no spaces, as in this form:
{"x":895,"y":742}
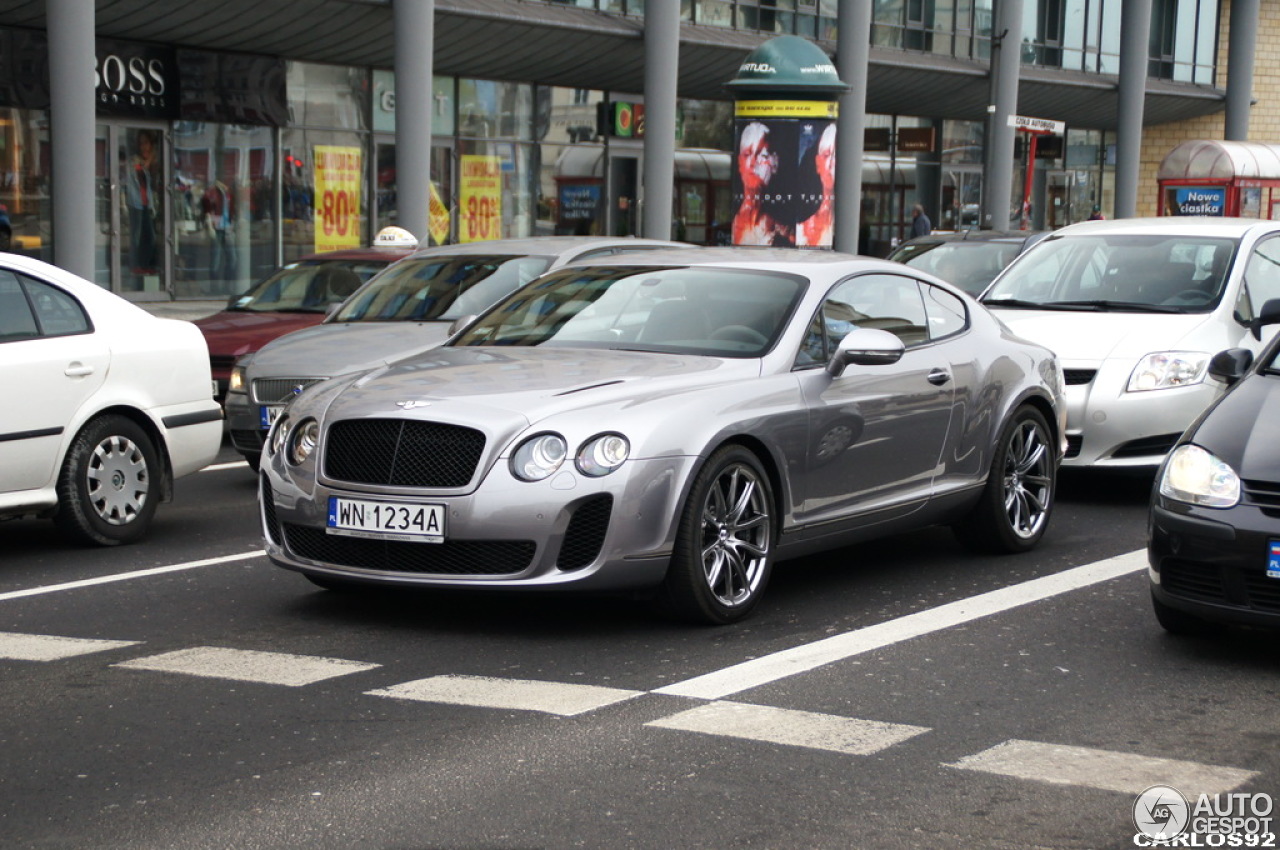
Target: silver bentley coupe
{"x":674,"y":421}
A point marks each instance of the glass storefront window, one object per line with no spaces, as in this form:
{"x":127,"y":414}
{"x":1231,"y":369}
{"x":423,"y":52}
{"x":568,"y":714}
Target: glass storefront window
{"x":496,"y":190}
{"x":223,"y":207}
{"x":492,"y":109}
{"x":327,"y":96}
{"x":25,"y":216}
{"x":323,"y":207}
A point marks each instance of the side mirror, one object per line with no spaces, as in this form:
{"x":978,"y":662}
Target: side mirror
{"x":865,"y":347}
{"x":461,"y":323}
{"x":1231,"y":365}
{"x":1268,"y":315}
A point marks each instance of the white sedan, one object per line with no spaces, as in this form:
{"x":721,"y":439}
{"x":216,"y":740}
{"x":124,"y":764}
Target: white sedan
{"x":1135,"y":309}
{"x":105,"y":404}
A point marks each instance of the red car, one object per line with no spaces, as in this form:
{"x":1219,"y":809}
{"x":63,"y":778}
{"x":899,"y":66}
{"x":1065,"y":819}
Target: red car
{"x":296,"y":296}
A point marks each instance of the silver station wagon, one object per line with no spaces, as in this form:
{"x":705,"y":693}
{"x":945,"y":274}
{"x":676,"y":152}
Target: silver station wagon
{"x":675,"y":420}
{"x":407,"y":307}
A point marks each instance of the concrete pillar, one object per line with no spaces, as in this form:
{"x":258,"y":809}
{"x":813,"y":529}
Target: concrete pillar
{"x":1006,"y":60}
{"x":1243,"y":42}
{"x":1135,"y":56}
{"x":72,"y":115}
{"x":414,"y":22}
{"x":853,"y":57}
{"x":661,"y":70}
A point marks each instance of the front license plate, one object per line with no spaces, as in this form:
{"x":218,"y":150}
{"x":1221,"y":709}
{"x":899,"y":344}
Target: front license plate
{"x":1273,"y":559}
{"x":386,"y":520}
{"x":269,"y":413}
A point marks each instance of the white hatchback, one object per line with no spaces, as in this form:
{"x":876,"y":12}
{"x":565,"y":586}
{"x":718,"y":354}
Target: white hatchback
{"x":1134,"y":309}
{"x":105,"y":404}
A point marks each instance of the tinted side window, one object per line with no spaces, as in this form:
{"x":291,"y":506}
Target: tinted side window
{"x":16,"y":319}
{"x":57,"y":313}
{"x":947,"y":314}
{"x":1261,"y":277}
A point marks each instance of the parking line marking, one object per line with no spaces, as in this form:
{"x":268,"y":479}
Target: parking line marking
{"x":154,"y":571}
{"x":518,"y":694}
{"x":1102,"y":769}
{"x":801,"y":659}
{"x":20,"y":647}
{"x":247,"y":665}
{"x":848,"y":735}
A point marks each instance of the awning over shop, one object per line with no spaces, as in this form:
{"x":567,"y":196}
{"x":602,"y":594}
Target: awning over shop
{"x":1206,"y":159}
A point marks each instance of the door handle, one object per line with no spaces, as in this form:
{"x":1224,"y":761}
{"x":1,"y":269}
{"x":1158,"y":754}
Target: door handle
{"x":77,"y":370}
{"x":938,"y":377}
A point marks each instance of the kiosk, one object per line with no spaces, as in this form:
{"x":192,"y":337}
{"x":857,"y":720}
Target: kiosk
{"x":1205,"y":177}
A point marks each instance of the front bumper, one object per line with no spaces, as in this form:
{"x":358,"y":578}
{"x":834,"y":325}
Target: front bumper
{"x":1213,"y":563}
{"x":1110,"y":428}
{"x":606,"y":534}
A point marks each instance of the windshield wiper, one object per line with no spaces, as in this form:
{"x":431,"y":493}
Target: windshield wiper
{"x":1019,"y":304}
{"x":1119,"y":306}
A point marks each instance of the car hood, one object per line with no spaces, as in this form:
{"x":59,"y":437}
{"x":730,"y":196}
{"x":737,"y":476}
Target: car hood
{"x":495,"y":387}
{"x":335,"y":348}
{"x":232,"y":333}
{"x":1089,"y":336}
{"x":1243,"y":429}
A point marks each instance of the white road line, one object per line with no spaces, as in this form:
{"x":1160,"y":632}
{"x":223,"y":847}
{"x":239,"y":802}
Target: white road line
{"x":20,"y":647}
{"x":793,"y":728}
{"x":1103,"y":769}
{"x":801,"y":659}
{"x":246,"y":665}
{"x":518,"y":694}
{"x":154,"y":571}
{"x":218,"y":467}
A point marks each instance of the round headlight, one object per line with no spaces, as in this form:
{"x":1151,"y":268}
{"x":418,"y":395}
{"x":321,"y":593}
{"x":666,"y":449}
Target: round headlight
{"x":602,"y":454}
{"x":302,"y":441}
{"x":538,"y":457}
{"x":1196,"y":476}
{"x":276,"y":439}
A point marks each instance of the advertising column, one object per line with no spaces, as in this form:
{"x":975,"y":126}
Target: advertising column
{"x":785,"y":141}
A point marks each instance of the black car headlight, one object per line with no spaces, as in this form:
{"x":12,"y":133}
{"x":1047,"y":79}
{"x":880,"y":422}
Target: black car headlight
{"x":1196,"y":476}
{"x":538,"y":457}
{"x":302,"y":441}
{"x":602,"y":454}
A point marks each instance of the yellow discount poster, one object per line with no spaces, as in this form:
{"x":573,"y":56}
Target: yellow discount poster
{"x":438,"y":220}
{"x":337,"y":213}
{"x":479,"y":198}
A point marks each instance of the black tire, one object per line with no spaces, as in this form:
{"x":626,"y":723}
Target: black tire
{"x":253,"y":459}
{"x":1178,"y":622}
{"x":1014,"y":509}
{"x":109,"y":485}
{"x":724,"y":544}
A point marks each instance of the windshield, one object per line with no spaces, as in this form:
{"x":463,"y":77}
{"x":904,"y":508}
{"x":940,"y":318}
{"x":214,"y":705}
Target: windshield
{"x":968,"y":265}
{"x":308,"y":287}
{"x":721,"y":312}
{"x":1142,"y":273}
{"x":440,"y":288}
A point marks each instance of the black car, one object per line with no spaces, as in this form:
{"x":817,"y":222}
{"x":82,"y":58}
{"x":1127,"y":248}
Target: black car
{"x":970,"y":259}
{"x":1214,"y":529}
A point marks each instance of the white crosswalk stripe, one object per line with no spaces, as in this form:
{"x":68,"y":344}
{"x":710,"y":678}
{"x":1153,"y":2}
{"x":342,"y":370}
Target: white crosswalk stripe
{"x":1103,"y":769}
{"x":792,"y":728}
{"x":21,"y":647}
{"x":518,"y":694}
{"x":243,"y":665}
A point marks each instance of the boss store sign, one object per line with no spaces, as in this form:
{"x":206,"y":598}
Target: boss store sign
{"x":136,"y":80}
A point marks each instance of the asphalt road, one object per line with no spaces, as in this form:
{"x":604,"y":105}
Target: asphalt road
{"x":184,"y":693}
